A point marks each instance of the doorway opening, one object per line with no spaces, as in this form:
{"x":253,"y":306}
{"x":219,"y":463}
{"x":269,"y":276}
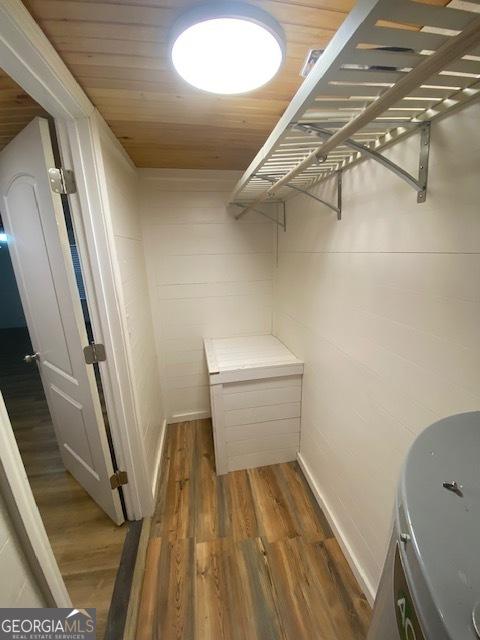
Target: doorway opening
{"x":86,"y":543}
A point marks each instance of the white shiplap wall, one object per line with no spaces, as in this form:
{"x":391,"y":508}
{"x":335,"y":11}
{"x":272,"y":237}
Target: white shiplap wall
{"x":384,"y":307}
{"x":210,"y":276}
{"x":123,"y":194}
{"x":18,"y":586}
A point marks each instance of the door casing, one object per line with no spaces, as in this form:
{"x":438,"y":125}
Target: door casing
{"x":23,"y":511}
{"x":31,"y":61}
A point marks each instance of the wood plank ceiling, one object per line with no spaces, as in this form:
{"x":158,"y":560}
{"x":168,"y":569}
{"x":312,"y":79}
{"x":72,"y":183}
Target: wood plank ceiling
{"x":117,"y":50}
{"x":17,"y":109}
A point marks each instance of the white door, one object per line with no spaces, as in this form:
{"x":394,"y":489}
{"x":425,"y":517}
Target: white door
{"x":38,"y":242}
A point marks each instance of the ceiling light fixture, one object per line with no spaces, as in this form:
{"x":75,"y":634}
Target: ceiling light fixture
{"x":227,"y":47}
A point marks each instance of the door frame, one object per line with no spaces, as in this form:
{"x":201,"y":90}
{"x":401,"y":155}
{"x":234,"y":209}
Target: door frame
{"x":31,"y":61}
{"x":23,"y":510}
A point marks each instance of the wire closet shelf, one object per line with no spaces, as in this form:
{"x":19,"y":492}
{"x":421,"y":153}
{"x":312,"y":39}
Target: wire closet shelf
{"x":393,"y":66}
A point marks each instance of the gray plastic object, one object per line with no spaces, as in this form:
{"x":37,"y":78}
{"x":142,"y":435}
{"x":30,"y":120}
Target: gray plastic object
{"x":430,"y":585}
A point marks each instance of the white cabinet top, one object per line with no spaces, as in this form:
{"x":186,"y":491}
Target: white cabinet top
{"x":249,"y":357}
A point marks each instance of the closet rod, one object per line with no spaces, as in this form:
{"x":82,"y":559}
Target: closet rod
{"x":454,"y":48}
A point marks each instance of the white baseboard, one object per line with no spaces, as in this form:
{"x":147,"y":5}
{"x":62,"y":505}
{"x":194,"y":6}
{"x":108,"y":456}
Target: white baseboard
{"x":352,"y":560}
{"x":190,"y":415}
{"x":158,"y":460}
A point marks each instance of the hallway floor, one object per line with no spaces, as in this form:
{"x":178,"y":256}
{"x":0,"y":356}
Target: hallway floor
{"x":245,"y":556}
{"x":86,"y":543}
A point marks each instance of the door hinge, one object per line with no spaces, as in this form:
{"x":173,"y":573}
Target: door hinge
{"x":94,"y":353}
{"x":118,"y":479}
{"x":62,"y":181}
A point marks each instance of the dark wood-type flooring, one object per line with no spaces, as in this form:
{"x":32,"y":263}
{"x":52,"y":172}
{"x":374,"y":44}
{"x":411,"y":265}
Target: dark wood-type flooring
{"x":245,"y":556}
{"x":86,"y":543}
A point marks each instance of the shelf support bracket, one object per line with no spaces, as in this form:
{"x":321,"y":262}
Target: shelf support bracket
{"x":281,"y":223}
{"x":337,"y":208}
{"x":419,"y":184}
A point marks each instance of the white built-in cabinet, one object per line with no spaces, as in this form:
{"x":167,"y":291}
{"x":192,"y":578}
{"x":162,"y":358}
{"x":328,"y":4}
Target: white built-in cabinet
{"x":255,"y":392}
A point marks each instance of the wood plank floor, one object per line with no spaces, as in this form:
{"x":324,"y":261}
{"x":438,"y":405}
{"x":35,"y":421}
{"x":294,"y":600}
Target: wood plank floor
{"x":245,"y":556}
{"x":86,"y":543}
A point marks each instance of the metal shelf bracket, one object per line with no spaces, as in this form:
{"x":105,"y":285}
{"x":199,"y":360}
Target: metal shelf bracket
{"x":334,"y":207}
{"x":419,"y":184}
{"x":281,"y":223}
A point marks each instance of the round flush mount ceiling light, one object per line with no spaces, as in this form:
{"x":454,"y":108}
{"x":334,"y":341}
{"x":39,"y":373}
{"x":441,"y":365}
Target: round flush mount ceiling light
{"x":227,"y":47}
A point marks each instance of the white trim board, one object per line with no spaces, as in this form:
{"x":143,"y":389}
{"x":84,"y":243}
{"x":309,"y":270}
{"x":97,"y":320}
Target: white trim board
{"x":350,"y":556}
{"x":129,"y":437}
{"x":191,"y":415}
{"x":30,"y":59}
{"x":158,"y":460}
{"x":15,"y":488}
